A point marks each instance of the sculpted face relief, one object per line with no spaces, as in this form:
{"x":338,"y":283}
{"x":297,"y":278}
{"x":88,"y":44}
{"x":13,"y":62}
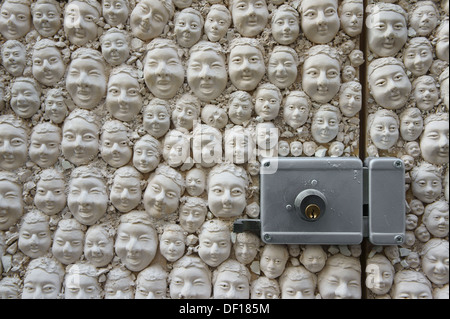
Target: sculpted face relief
{"x":188,"y":27}
{"x":149,"y":18}
{"x":126,"y":190}
{"x":319,"y":20}
{"x":146,"y":154}
{"x":14,"y":57}
{"x":11,"y":204}
{"x":282,"y":67}
{"x":13,"y":146}
{"x":50,"y":195}
{"x":115,"y":47}
{"x":285,"y":25}
{"x":25,"y":97}
{"x":45,"y":145}
{"x":325,"y":124}
{"x":46,"y":18}
{"x":351,"y":14}
{"x":424,"y":18}
{"x":217,"y":22}
{"x":434,"y":142}
{"x":98,"y":246}
{"x":15,"y":20}
{"x":80,"y":22}
{"x":48,"y":67}
{"x":249,"y":16}
{"x":384,"y":129}
{"x":115,"y":12}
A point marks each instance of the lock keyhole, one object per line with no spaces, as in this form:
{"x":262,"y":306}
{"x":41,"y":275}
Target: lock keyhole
{"x":311,"y":204}
{"x":312,"y":211}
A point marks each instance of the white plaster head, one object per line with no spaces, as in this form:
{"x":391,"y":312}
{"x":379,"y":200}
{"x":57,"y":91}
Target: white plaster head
{"x":156,"y":118}
{"x":86,"y":79}
{"x":387,"y":29}
{"x":435,"y":260}
{"x":283,"y":148}
{"x":47,"y":18}
{"x":15,"y":19}
{"x":82,"y":282}
{"x":412,"y":148}
{"x":444,"y":90}
{"x":240,"y":107}
{"x":434,"y":143}
{"x":186,"y":112}
{"x":416,"y":207}
{"x":68,"y":241}
{"x":80,"y":140}
{"x":217,"y":22}
{"x":163,"y":70}
{"x":424,"y":17}
{"x":115,"y":46}
{"x":246,"y":247}
{"x":319,"y":20}
{"x":151,"y":283}
{"x":188,"y":27}
{"x":426,"y":184}
{"x":190,"y":278}
{"x":231,"y":280}
{"x":195,"y":181}
{"x":296,"y":148}
{"x":351,"y":14}
{"x":266,"y":136}
{"x":246,"y":63}
{"x":442,"y":41}
{"x":309,"y":148}
{"x":273,"y":260}
{"x":45,"y":144}
{"x":325,"y":123}
{"x":163,"y":192}
{"x":321,"y":73}
{"x":356,"y":58}
{"x":146,"y":153}
{"x":336,"y":149}
{"x":119,"y":284}
{"x":239,"y":145}
{"x":126,"y":189}
{"x":383,"y":128}
{"x":206,"y":72}
{"x":214,"y":116}
{"x":296,"y":109}
{"x":348,"y":73}
{"x":418,"y":56}
{"x":410,"y":284}
{"x":350,"y":98}
{"x":297,"y":282}
{"x":192,"y":213}
{"x":249,"y":16}
{"x":25,"y":97}
{"x":176,"y":148}
{"x":172,"y":242}
{"x":425,"y":92}
{"x":43,"y":279}
{"x":48,"y":65}
{"x":267,"y":99}
{"x":214,"y":242}
{"x":265,"y":288}
{"x":408,"y":161}
{"x":80,"y":21}
{"x":340,"y":278}
{"x":11,"y":203}
{"x":116,"y":12}
{"x":379,"y":274}
{"x":206,"y":145}
{"x":50,"y":197}
{"x":55,"y":107}
{"x":285,"y":24}
{"x":411,"y":124}
{"x":14,"y":142}
{"x":313,"y":258}
{"x":99,"y":244}
{"x":282,"y":66}
{"x":148,"y":18}
{"x":34,"y":234}
{"x":136,"y":241}
{"x":227,"y":184}
{"x":87,"y":198}
{"x":422,"y":234}
{"x":181,"y":4}
{"x":115,"y":145}
{"x":14,"y":57}
{"x":411,"y":221}
{"x":436,"y":217}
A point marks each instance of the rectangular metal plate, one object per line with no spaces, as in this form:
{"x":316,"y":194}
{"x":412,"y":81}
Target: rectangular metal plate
{"x":339,"y":179}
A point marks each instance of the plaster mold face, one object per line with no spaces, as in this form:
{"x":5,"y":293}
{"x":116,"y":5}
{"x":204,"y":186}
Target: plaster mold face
{"x":298,"y":283}
{"x":325,"y":123}
{"x":425,"y":92}
{"x":282,"y":67}
{"x":351,"y":14}
{"x":46,"y":17}
{"x":25,"y":97}
{"x":214,"y":116}
{"x":214,"y":242}
{"x":319,"y":20}
{"x":151,"y":283}
{"x":172,"y":243}
{"x":192,"y":213}
{"x":285,"y":25}
{"x":434,"y":143}
{"x":195,"y":182}
{"x":68,"y":241}
{"x":267,"y":101}
{"x":217,"y":22}
{"x":48,"y":66}
{"x":410,"y":284}
{"x":126,"y":190}
{"x":273,"y":260}
{"x":15,"y":20}
{"x":50,"y":195}
{"x":265,"y":288}
{"x":249,"y":16}
{"x":426,"y":183}
{"x":442,"y":41}
{"x":231,"y":281}
{"x":411,"y":124}
{"x":246,"y":247}
{"x":34,"y":235}
{"x":350,"y":98}
{"x":435,"y":261}
{"x":424,"y":18}
{"x":156,"y":118}
{"x":148,"y":18}
{"x":45,"y":144}
{"x":384,"y":129}
{"x":115,"y":12}
{"x":115,"y":146}
{"x":206,"y":145}
{"x":239,"y":145}
{"x":80,"y":21}
{"x":187,"y":271}
{"x":14,"y":142}
{"x":115,"y":47}
{"x":176,"y":148}
{"x":146,"y":154}
{"x":240,"y":107}
{"x":99,"y":245}
{"x":119,"y":284}
{"x":435,"y":218}
{"x":43,"y":279}
{"x":188,"y":27}
{"x":81,"y":282}
{"x":14,"y":57}
{"x":418,"y":56}
{"x":186,"y":112}
{"x":379,"y":274}
{"x":55,"y":107}
{"x":12,"y":204}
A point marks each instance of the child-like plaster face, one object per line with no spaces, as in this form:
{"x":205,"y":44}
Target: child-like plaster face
{"x":55,"y":109}
{"x":68,"y":245}
{"x":195,"y":182}
{"x":15,"y":20}
{"x":226,"y":195}
{"x":125,"y":193}
{"x":379,"y":276}
{"x":282,"y":69}
{"x":339,"y":283}
{"x":320,"y":20}
{"x":11,"y":204}
{"x":145,"y":156}
{"x":50,"y":196}
{"x":350,"y":101}
{"x":98,"y":247}
{"x":80,"y":141}
{"x":156,"y":120}
{"x":214,"y":246}
{"x":246,"y":67}
{"x":46,"y":19}
{"x":295,"y":111}
{"x":115,"y":48}
{"x":115,"y":148}
{"x":25,"y":99}
{"x":273,"y":260}
{"x":44,"y":148}
{"x":35,"y":238}
{"x":231,"y":285}
{"x":249,"y":16}
{"x":161,"y":196}
{"x":418,"y":59}
{"x":115,"y":12}
{"x":426,"y":95}
{"x":434,"y":143}
{"x":189,"y":283}
{"x":39,"y":284}
{"x":188,"y":29}
{"x":192,"y":217}
{"x":285,"y":27}
{"x":48,"y":66}
{"x":267,"y":104}
{"x":217,"y":23}
{"x":172,"y":245}
{"x":426,"y":186}
{"x":123,"y":99}
{"x":81,"y":286}
{"x":325,"y":126}
{"x":423,"y":19}
{"x":435,"y":264}
{"x":411,"y":127}
{"x":384,"y":132}
{"x":437,"y":220}
{"x":14,"y":59}
{"x":352,"y":18}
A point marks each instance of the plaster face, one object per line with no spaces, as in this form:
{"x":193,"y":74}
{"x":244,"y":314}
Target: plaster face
{"x":412,"y":290}
{"x":238,"y":147}
{"x":273,"y":261}
{"x":340,"y":283}
{"x":44,"y":148}
{"x":250,"y":16}
{"x":214,"y":116}
{"x":188,"y":29}
{"x":191,"y":218}
{"x":442,"y":44}
{"x":15,"y":20}
{"x":266,"y":135}
{"x":13,"y":147}
{"x":46,"y":19}
{"x":207,"y":146}
{"x":98,"y":248}
{"x":426,"y":95}
{"x":296,"y":148}
{"x":115,"y":12}
{"x":283,"y":148}
{"x":350,"y":102}
{"x":136,"y":245}
{"x":434,"y":142}
{"x":206,"y":74}
{"x":25,"y":99}
{"x":80,"y":22}
{"x":50,"y":196}
{"x":379,"y":277}
{"x":86,"y":82}
{"x":214,"y":247}
{"x":123,"y":99}
{"x":325,"y":126}
{"x":231,"y":285}
{"x":55,"y":109}
{"x":435,"y":265}
{"x":226,"y":195}
{"x":387,"y":33}
{"x":148,"y":19}
{"x":216,"y":25}
{"x":87,"y":199}
{"x":67,"y":245}
{"x":190,"y":283}
{"x":172,"y":245}
{"x":295,"y":111}
{"x":285,"y":27}
{"x":120,"y":288}
{"x":195,"y":182}
{"x":184,"y":115}
{"x":245,"y":250}
{"x":35,"y":239}
{"x":437,"y":222}
{"x":176,"y":148}
{"x":115,"y":148}
{"x":418,"y":59}
{"x":390,"y":86}
{"x":423,"y":20}
{"x":14,"y":60}
{"x":156,"y":120}
{"x":11,"y":204}
{"x":282,"y":69}
{"x":384,"y":132}
{"x":161,"y":196}
{"x":352,"y":18}
{"x":298,"y":289}
{"x":48,"y":66}
{"x":319,"y":20}
{"x":267,"y":104}
{"x":145,"y":156}
{"x":246,"y":67}
{"x":260,"y":291}
{"x":321,"y":77}
{"x":39,"y":284}
{"x":80,"y":286}
{"x":426,"y":186}
{"x":163,"y":72}
{"x":150,"y":289}
{"x":115,"y":48}
{"x":80,"y":141}
{"x":240,"y":111}
{"x":411,"y":127}
{"x":125,"y":193}
{"x":313,"y":258}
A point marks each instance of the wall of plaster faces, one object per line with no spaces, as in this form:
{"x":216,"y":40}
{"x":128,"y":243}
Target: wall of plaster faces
{"x":131,"y":134}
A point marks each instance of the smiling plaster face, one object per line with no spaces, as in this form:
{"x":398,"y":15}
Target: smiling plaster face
{"x":148,"y":19}
{"x":80,"y":22}
{"x":15,"y":20}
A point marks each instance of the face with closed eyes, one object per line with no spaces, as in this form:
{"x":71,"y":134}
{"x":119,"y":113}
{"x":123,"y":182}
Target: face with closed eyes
{"x":68,"y":245}
{"x":282,"y":69}
{"x":148,"y":19}
{"x":125,"y":193}
{"x":161,"y":196}
{"x":98,"y":247}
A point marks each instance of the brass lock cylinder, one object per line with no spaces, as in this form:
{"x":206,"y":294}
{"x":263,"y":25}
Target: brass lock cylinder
{"x":311,"y":204}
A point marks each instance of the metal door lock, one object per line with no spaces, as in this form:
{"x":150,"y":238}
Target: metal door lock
{"x":330,"y":201}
